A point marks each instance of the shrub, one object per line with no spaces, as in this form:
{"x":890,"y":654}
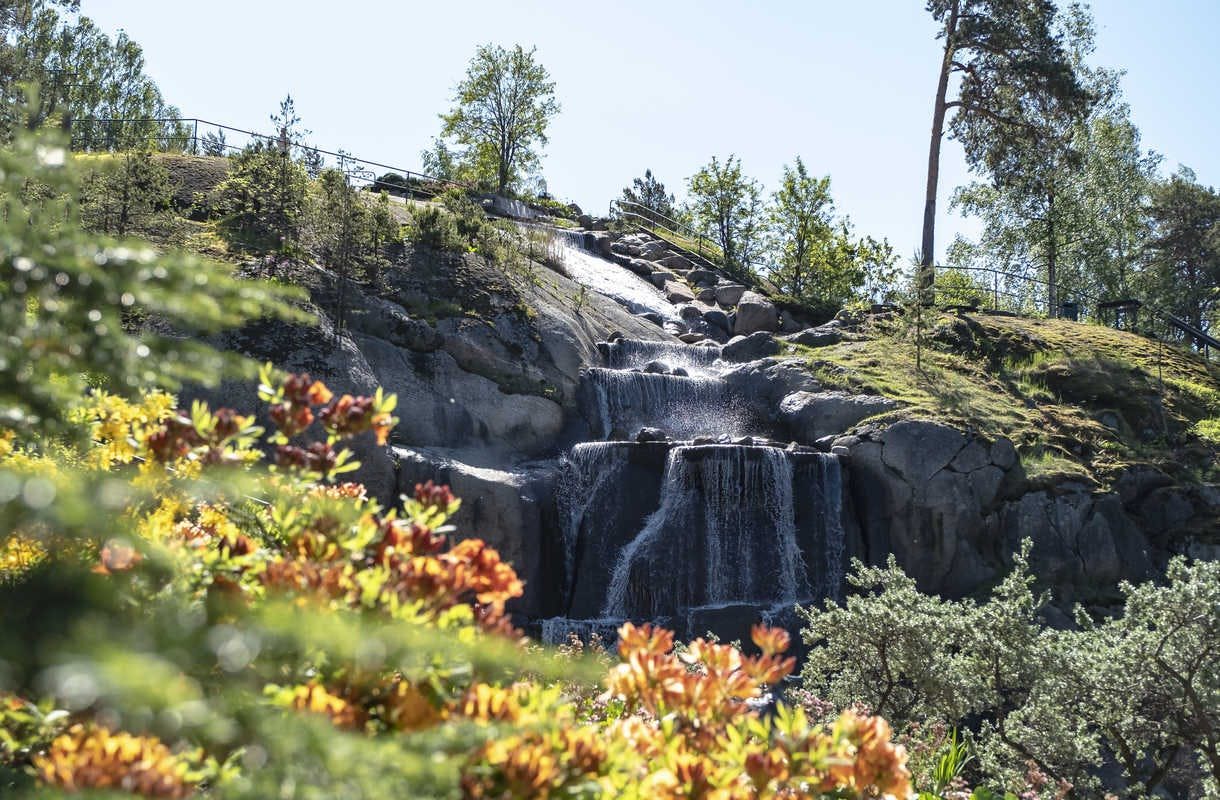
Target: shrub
{"x":200,"y":642}
{"x":264,"y":200}
{"x":433,"y":227}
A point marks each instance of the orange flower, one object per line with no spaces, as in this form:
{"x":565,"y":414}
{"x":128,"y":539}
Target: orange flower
{"x":314,"y":698}
{"x":409,"y":710}
{"x":484,"y":703}
{"x":94,"y":758}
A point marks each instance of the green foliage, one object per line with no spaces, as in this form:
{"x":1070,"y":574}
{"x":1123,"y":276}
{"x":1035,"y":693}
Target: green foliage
{"x":264,"y":200}
{"x":1138,"y":691}
{"x":81,"y":74}
{"x":124,"y":194}
{"x":727,"y":205}
{"x":816,"y":260}
{"x":503,"y":107}
{"x":1183,"y":250}
{"x":432,"y":226}
{"x":69,"y":303}
{"x":347,"y":231}
{"x":650,"y":199}
{"x":957,"y":287}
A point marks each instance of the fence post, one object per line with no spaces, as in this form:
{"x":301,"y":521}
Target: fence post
{"x":995,"y":291}
{"x":195,"y":140}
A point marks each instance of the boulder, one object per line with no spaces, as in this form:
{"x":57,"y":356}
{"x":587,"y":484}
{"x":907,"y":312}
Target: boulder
{"x":717,"y":319}
{"x":585,"y":221}
{"x":675,"y":261}
{"x":678,"y":292}
{"x":755,"y":313}
{"x":691,"y":338}
{"x":707,"y":295}
{"x":661,"y":277}
{"x":653,"y":317}
{"x":651,"y":435}
{"x":702,"y":277}
{"x":690,"y":313}
{"x":750,"y":348}
{"x":811,"y":416}
{"x":640,"y":267}
{"x":821,"y":336}
{"x":727,"y":294}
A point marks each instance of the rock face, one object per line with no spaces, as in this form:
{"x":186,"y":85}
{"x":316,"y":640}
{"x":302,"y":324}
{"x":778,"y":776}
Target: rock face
{"x":954,"y":508}
{"x":755,"y":313}
{"x":509,"y":508}
{"x":813,"y":415}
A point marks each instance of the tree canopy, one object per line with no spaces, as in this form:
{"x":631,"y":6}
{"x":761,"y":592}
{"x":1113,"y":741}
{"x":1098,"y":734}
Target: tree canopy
{"x":501,"y":112}
{"x":1002,"y":54}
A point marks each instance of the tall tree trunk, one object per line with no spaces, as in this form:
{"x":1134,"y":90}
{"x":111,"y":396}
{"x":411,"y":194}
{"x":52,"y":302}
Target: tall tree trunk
{"x":1051,"y":253}
{"x":927,"y":269}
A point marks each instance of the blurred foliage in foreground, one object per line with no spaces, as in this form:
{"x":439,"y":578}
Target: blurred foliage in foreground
{"x":236,"y":632}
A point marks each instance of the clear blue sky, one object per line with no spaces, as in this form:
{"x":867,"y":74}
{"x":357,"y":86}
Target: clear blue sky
{"x":659,"y":83}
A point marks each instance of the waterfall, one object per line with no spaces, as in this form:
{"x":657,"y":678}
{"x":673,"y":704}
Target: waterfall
{"x":634,"y":354}
{"x":624,"y":401}
{"x":725,"y":532}
{"x":618,"y":283}
{"x":589,"y":469}
{"x":830,"y":486}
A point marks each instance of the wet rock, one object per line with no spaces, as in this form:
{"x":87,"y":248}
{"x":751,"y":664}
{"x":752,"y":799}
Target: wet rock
{"x":661,"y":277}
{"x":690,"y":313}
{"x":717,"y":318}
{"x":691,"y":338}
{"x":651,"y":435}
{"x":678,"y":292}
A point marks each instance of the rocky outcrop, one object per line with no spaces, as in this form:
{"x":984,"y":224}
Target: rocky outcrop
{"x":954,"y":507}
{"x":924,"y":491}
{"x":811,"y":416}
{"x":755,"y":313}
{"x":511,"y":507}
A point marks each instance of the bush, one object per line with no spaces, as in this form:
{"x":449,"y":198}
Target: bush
{"x":433,"y":227}
{"x":264,"y":200}
{"x":197,"y":642}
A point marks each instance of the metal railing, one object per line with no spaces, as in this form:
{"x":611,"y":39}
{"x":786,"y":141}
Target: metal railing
{"x":644,"y":218}
{"x":1036,"y":303}
{"x":194,"y":136}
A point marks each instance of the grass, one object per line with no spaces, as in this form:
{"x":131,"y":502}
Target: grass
{"x":1075,"y":398}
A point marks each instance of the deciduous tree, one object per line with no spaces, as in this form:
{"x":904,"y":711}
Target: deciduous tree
{"x":502,"y":109}
{"x":727,"y":204}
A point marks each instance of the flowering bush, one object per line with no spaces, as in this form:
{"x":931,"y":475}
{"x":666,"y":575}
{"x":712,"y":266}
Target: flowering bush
{"x":214,"y":603}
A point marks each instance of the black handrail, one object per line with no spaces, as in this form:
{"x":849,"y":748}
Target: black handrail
{"x":194,"y":140}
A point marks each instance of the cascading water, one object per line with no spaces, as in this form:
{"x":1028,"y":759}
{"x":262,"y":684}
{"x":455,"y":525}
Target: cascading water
{"x":634,"y":354}
{"x":607,"y":278}
{"x":697,"y":537}
{"x":682,"y":406}
{"x":725,"y":533}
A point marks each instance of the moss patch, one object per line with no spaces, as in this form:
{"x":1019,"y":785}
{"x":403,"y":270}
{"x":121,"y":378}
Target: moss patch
{"x":1075,"y":398}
